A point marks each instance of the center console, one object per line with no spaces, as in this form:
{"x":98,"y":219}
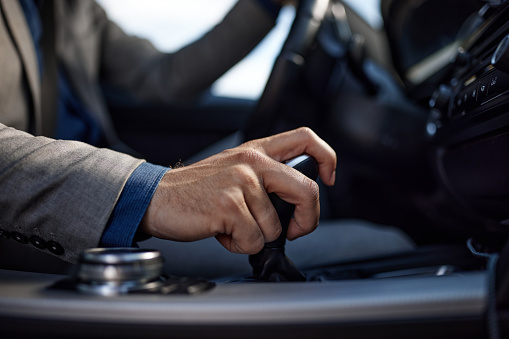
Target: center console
{"x":432,"y":303}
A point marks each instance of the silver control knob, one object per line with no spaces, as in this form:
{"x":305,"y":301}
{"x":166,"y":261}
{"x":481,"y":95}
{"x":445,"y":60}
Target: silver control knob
{"x":113,"y":271}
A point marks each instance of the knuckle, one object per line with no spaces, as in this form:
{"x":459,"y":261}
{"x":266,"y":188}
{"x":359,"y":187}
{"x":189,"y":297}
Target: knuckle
{"x":276,"y":232}
{"x":255,"y":242}
{"x":256,"y":245}
{"x":250,"y":179}
{"x":314,"y":190}
{"x":251,"y":156}
{"x":229,"y":202}
{"x":250,"y":245}
{"x":306,"y":132}
{"x":244,"y":176}
{"x":216,"y":228}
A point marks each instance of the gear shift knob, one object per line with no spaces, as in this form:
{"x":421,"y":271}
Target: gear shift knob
{"x":271,"y":263}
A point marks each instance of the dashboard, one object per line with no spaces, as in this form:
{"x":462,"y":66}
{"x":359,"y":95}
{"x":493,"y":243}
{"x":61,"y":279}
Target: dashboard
{"x":469,"y":120}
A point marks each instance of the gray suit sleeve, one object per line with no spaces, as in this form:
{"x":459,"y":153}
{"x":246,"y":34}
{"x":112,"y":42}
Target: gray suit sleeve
{"x":135,"y":65}
{"x":61,"y":191}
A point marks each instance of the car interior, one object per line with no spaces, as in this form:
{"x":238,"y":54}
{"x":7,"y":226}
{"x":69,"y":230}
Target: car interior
{"x":418,"y":113}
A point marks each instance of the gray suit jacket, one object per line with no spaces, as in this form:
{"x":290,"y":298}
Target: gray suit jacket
{"x":64,"y":191}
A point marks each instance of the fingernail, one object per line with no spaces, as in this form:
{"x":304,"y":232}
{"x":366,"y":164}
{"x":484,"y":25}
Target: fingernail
{"x":333,"y":178}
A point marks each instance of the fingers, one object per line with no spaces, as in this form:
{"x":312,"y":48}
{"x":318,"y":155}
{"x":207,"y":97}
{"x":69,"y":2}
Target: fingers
{"x":263,"y":211}
{"x":289,"y":184}
{"x":305,"y":219}
{"x":302,"y":141}
{"x":299,"y":190}
{"x":251,"y":220}
{"x":241,"y":234}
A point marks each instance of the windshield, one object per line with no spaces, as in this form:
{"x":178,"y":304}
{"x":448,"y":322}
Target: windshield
{"x":171,"y":24}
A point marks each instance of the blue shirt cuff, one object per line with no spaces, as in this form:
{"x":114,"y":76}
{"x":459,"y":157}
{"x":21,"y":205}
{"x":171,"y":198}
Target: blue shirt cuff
{"x":271,"y":7}
{"x":131,"y":206}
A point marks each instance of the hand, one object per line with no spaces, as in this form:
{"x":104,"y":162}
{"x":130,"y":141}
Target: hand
{"x":226,"y":195}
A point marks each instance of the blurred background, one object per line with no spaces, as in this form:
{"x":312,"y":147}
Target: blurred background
{"x":171,"y":24}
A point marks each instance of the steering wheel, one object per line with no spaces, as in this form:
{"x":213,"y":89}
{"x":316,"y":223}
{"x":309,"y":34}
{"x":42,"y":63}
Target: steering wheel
{"x":308,"y":19}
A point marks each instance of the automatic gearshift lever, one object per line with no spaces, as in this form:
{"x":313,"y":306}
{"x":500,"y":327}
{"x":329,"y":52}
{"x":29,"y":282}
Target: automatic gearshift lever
{"x":271,"y":263}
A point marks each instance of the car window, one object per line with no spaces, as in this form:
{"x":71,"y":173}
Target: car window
{"x":171,"y":24}
{"x":369,"y":10}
